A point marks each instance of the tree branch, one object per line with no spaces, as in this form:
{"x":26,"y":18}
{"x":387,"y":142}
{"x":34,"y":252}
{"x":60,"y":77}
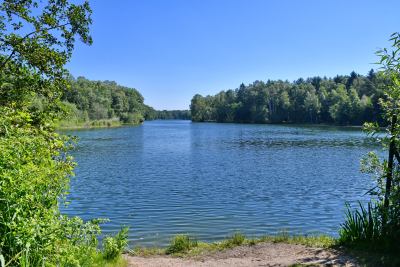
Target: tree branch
{"x":26,"y":36}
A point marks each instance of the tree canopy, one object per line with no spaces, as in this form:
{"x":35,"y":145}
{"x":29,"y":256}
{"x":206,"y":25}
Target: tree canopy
{"x":342,"y":100}
{"x":96,"y":100}
{"x":36,"y":41}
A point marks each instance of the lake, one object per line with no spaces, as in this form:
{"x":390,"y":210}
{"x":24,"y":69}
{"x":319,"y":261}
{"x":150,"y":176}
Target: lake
{"x":169,"y":177}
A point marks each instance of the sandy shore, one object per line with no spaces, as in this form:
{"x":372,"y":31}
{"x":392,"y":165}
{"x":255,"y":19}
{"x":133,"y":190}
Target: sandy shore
{"x":261,"y":254}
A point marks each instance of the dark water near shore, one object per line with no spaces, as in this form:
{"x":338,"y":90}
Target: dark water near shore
{"x":164,"y":178}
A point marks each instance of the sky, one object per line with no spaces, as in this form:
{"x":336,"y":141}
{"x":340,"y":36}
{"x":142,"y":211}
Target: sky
{"x":171,"y":50}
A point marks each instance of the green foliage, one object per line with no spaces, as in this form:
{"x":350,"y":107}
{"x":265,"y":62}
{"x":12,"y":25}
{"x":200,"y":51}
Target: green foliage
{"x":34,"y":170}
{"x":172,"y":115}
{"x":96,"y":100}
{"x":379,"y":227}
{"x":115,"y":244}
{"x":34,"y":163}
{"x":364,"y":226}
{"x":235,"y":239}
{"x":314,"y":100}
{"x":181,"y":243}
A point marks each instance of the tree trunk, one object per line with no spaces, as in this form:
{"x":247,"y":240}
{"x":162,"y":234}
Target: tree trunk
{"x":390,"y":167}
{"x":270,"y":110}
{"x":227,"y":114}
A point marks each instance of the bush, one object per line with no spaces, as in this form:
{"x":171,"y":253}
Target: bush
{"x":98,"y":112}
{"x":34,"y":179}
{"x":114,"y":245}
{"x":131,"y":118}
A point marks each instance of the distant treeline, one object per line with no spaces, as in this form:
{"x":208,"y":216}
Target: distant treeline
{"x":172,"y":115}
{"x":96,"y":100}
{"x":340,"y":100}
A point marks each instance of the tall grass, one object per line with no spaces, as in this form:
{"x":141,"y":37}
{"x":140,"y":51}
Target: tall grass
{"x":77,"y":122}
{"x":360,"y":226}
{"x":366,"y":228}
{"x":235,"y":239}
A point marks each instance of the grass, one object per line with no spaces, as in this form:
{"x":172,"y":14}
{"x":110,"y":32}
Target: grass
{"x":100,"y":258}
{"x":110,"y":254}
{"x":363,"y":237}
{"x":360,"y":226}
{"x":181,"y":243}
{"x":100,"y":261}
{"x":96,"y":123}
{"x":187,"y":246}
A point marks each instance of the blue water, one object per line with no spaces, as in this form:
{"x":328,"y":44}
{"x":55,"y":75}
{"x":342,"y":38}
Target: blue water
{"x":164,"y":178}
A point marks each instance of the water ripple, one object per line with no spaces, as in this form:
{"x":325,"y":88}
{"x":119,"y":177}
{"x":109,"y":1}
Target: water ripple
{"x":172,"y":177}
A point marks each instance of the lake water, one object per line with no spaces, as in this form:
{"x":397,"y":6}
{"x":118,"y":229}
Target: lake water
{"x":164,"y":178}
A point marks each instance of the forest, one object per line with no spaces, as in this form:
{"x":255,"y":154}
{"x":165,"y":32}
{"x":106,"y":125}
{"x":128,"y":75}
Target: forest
{"x":172,"y":115}
{"x":342,"y":100}
{"x":96,"y":100}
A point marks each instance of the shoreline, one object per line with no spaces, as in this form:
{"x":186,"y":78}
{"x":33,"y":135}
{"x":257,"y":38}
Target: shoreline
{"x":101,"y":126}
{"x":288,"y":124}
{"x":260,"y":254}
{"x":250,"y":123}
{"x":281,"y":249}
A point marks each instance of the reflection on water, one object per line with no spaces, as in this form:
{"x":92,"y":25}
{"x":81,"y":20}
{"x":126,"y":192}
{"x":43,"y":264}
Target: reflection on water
{"x":171,"y":177}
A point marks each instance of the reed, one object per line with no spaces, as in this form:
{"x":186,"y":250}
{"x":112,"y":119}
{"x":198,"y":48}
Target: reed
{"x":360,"y":226}
{"x":77,"y":122}
{"x":375,"y":227}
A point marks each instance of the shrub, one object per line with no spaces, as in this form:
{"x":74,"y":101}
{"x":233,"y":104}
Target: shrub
{"x":131,"y":117}
{"x":115,"y":244}
{"x":98,"y":112}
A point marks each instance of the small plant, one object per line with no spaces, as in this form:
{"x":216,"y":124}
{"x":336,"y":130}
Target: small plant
{"x":236,"y":239}
{"x":181,"y":243}
{"x":114,"y":245}
{"x":252,"y":240}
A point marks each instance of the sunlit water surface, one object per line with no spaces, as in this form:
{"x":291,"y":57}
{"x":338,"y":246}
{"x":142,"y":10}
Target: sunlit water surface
{"x":164,"y":178}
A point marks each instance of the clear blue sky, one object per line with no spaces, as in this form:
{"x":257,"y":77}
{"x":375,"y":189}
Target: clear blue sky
{"x":171,"y":50}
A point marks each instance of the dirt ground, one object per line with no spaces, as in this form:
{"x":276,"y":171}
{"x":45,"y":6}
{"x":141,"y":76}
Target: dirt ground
{"x":261,"y":254}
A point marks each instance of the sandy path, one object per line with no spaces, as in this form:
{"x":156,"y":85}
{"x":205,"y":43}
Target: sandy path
{"x":261,"y":254}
